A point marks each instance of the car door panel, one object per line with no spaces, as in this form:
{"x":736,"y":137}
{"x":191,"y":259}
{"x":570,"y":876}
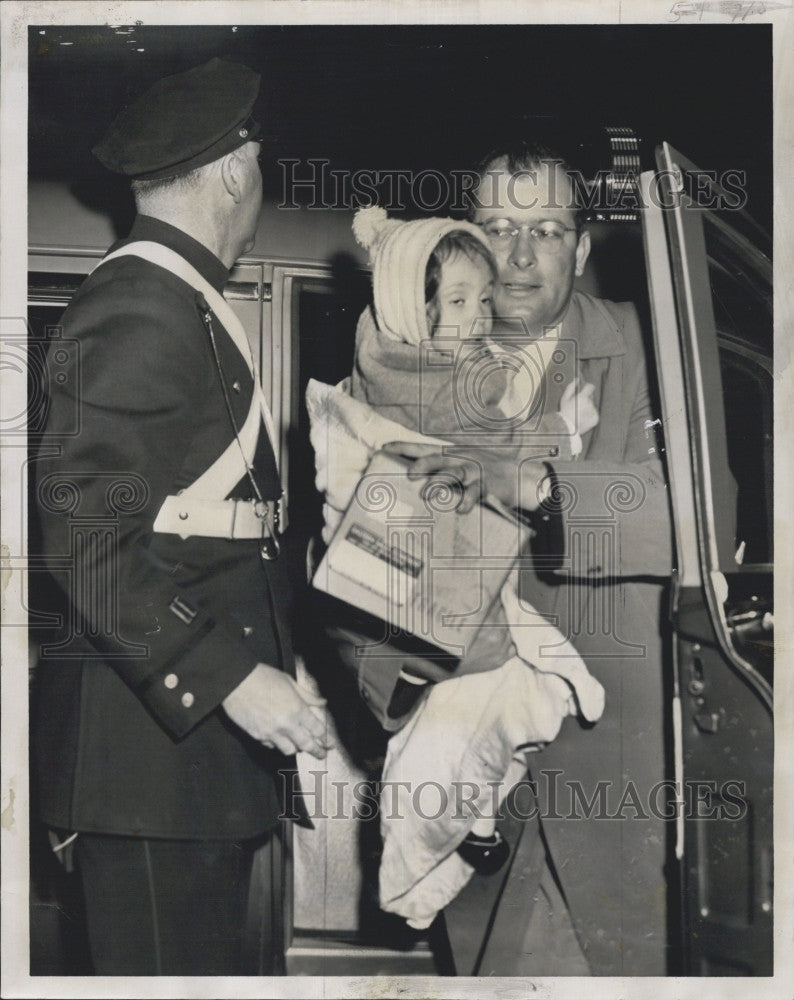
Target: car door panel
{"x":710,"y":296}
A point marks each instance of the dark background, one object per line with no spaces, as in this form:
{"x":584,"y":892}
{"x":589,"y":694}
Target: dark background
{"x":419,"y":97}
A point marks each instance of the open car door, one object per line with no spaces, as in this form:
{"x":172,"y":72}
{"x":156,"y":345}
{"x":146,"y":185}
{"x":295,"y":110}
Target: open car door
{"x":710,"y":277}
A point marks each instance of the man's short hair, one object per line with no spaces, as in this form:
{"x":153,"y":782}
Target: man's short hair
{"x":526,"y":155}
{"x":149,"y":190}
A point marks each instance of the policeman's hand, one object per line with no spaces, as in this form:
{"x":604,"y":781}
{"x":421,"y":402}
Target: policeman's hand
{"x":474,"y":477}
{"x":270,"y":706}
{"x":577,"y":406}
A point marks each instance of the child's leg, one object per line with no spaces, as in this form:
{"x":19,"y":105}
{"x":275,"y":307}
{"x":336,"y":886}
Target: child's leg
{"x":484,"y":826}
{"x":484,"y":848}
{"x":516,"y":772}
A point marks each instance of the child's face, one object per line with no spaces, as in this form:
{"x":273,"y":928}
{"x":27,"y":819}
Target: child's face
{"x":464,"y":298}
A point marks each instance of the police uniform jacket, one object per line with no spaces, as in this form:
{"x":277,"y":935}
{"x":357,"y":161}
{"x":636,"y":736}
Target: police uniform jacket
{"x":131,"y":737}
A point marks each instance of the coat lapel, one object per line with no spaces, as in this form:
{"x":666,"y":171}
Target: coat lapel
{"x":600,"y":350}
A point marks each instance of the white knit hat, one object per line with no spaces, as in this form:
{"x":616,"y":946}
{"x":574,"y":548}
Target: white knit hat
{"x":399,"y":252}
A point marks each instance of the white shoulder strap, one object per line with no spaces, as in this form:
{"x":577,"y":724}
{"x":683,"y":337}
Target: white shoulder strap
{"x":229,"y":468}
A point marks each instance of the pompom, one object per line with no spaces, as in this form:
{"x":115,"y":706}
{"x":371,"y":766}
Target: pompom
{"x":368,"y":224}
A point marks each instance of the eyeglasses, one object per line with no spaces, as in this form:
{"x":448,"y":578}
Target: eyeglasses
{"x":547,"y":238}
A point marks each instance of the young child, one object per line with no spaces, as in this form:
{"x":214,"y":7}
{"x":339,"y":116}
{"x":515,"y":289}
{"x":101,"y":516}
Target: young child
{"x":424,"y":357}
{"x":419,"y":349}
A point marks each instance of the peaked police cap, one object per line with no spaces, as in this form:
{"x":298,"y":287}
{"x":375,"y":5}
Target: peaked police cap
{"x":183,"y":122}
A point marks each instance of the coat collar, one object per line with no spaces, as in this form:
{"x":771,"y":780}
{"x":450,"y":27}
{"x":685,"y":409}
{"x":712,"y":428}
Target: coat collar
{"x":596,"y":332}
{"x":205,"y":262}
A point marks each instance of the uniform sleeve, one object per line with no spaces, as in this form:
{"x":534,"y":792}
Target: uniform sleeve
{"x":142,"y":379}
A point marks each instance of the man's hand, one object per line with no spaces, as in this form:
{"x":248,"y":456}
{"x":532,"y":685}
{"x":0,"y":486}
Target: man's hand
{"x":477,"y":474}
{"x":458,"y":471}
{"x":270,"y":706}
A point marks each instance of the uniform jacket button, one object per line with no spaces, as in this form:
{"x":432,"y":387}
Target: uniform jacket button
{"x":247,"y":630}
{"x":236,"y":385}
{"x":171,"y":681}
{"x":187,"y":699}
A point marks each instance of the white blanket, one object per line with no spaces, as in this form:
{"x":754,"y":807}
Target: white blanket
{"x":345,"y":434}
{"x":464,"y":735}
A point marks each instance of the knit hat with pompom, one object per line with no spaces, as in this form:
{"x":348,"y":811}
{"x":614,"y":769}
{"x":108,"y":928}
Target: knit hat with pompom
{"x":399,"y":252}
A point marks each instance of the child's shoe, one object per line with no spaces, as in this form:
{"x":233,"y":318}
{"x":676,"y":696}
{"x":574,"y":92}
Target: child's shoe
{"x":486,"y":855}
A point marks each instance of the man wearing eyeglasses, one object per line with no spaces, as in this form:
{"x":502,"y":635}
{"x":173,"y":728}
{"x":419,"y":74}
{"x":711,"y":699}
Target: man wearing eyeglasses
{"x":584,"y":892}
{"x":537,"y":239}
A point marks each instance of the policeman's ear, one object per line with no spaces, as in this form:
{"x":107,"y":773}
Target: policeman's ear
{"x":232,"y":171}
{"x":582,"y":252}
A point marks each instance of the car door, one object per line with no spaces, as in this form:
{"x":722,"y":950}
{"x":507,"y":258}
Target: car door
{"x":710,"y":275}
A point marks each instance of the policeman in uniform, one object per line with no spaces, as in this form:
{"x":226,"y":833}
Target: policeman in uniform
{"x":168,"y":708}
